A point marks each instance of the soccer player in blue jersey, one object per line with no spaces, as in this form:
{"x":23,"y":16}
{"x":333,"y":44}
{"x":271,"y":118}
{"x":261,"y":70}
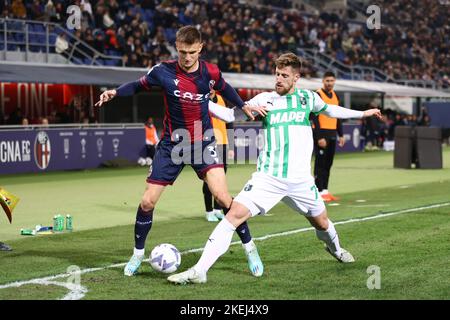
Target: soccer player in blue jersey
{"x":186,"y":83}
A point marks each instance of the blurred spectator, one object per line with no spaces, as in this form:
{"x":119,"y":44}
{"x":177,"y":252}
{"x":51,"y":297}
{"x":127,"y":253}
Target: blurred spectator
{"x":373,"y":130}
{"x":37,"y":10}
{"x":86,"y":7}
{"x":15,"y":117}
{"x":413,"y":43}
{"x":61,"y":45}
{"x":78,"y":109}
{"x":424,"y":118}
{"x":18,"y":9}
{"x":50,"y":12}
{"x":424,"y":121}
{"x":44,"y":122}
{"x":85,"y":120}
{"x":65,"y":115}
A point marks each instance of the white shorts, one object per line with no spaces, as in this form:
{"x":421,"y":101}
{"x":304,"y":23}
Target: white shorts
{"x":262,"y":192}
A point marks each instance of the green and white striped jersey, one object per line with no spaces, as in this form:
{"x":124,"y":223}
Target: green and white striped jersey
{"x":288,"y":138}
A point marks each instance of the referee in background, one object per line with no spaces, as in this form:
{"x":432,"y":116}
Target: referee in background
{"x":326,"y":130}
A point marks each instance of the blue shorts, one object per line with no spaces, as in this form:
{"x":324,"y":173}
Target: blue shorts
{"x":170,"y":159}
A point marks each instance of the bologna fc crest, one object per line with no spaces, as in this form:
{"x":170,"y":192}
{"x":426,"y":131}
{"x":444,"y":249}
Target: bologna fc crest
{"x":42,"y":150}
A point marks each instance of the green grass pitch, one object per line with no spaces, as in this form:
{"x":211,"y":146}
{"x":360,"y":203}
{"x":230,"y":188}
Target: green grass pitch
{"x":410,"y":247}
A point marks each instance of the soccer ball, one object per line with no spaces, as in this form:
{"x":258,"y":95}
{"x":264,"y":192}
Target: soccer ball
{"x":165,"y":258}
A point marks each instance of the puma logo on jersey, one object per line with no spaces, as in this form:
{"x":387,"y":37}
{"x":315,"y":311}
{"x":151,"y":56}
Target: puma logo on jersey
{"x":284,"y":117}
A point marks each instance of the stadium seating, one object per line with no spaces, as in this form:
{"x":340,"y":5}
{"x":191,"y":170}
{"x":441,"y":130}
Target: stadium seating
{"x":148,"y":30}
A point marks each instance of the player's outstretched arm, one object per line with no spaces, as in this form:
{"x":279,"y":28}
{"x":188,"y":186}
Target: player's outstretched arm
{"x":224,"y":114}
{"x":373,"y":112}
{"x":127,"y":89}
{"x":106,"y":96}
{"x":344,"y":113}
{"x":231,"y":95}
{"x":339,"y":112}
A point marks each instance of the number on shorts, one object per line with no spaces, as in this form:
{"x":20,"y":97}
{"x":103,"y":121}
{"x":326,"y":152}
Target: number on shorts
{"x":212,"y":150}
{"x":248,"y":187}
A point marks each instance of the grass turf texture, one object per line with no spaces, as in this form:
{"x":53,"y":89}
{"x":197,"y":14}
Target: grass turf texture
{"x":411,"y":249}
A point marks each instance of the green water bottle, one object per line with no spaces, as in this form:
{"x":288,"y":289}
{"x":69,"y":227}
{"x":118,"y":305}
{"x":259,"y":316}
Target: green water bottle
{"x":27,"y":232}
{"x":58,"y":223}
{"x":69,"y":222}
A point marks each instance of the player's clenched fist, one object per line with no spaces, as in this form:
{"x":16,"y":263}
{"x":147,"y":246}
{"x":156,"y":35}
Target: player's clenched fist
{"x":105,"y":97}
{"x":373,"y":112}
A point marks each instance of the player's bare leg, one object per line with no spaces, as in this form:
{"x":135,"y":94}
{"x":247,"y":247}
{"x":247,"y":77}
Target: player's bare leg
{"x":218,"y":243}
{"x":217,"y":183}
{"x":326,"y":232}
{"x":144,"y":221}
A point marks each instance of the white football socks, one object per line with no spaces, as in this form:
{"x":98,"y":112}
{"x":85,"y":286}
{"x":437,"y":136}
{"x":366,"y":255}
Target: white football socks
{"x":138,"y":252}
{"x":218,"y":243}
{"x":330,"y":237}
{"x":249,"y":246}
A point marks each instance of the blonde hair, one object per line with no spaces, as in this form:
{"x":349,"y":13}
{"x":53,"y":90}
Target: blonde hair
{"x":289,"y":60}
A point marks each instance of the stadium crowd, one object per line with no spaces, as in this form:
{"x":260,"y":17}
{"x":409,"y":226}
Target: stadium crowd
{"x":412,"y":43}
{"x":376,"y":132}
{"x":77,"y":111}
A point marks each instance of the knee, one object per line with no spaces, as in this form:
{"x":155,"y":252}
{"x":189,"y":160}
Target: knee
{"x":147,"y":204}
{"x":222,"y":198}
{"x":322,"y":224}
{"x":236,"y":218}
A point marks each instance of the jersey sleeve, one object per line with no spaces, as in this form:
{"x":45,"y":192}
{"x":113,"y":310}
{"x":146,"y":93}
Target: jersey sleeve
{"x":220,"y":82}
{"x":152,"y":78}
{"x":256,"y":101}
{"x":217,"y":82}
{"x":319,"y":105}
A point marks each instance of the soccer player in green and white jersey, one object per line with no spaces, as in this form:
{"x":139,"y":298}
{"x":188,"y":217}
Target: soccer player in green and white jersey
{"x":284,"y":168}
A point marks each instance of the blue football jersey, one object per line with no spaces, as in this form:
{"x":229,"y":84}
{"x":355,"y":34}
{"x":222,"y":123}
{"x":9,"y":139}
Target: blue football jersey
{"x":186,"y":97}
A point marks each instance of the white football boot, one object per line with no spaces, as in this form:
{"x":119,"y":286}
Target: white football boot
{"x":188,"y":276}
{"x":344,"y":256}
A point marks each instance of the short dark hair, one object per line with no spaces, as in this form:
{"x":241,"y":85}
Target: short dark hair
{"x":289,"y":60}
{"x":329,"y":74}
{"x":188,"y":35}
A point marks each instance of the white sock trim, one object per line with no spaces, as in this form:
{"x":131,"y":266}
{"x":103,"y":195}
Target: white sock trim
{"x":139,"y":252}
{"x":330,"y":237}
{"x":249,"y":246}
{"x":228,"y":224}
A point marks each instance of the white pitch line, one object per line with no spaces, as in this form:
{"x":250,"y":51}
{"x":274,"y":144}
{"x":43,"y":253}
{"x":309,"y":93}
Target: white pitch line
{"x":78,"y":292}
